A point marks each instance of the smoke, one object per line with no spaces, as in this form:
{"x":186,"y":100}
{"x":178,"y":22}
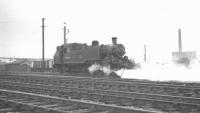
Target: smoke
{"x":96,"y":67}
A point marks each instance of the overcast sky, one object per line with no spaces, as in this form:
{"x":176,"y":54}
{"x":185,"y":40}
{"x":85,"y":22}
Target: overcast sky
{"x":135,"y":23}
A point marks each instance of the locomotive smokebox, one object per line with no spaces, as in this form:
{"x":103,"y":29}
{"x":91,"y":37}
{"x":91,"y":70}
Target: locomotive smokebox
{"x":114,"y":40}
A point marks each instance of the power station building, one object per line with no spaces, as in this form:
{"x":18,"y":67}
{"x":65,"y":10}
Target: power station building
{"x":180,"y":55}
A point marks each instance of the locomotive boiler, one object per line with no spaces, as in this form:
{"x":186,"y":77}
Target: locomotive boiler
{"x":78,"y":57}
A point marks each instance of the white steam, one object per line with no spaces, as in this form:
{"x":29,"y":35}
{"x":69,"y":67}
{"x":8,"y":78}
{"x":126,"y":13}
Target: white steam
{"x":165,"y":72}
{"x":96,"y":67}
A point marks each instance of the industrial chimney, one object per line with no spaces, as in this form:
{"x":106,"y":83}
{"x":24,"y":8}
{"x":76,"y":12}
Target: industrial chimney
{"x":114,"y":40}
{"x":179,"y":41}
{"x":145,"y":53}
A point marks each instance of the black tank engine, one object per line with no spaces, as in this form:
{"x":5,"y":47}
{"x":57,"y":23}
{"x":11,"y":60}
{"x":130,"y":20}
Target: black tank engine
{"x":78,"y":57}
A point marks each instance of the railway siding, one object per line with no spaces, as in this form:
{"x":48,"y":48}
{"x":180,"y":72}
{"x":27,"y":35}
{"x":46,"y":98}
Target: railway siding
{"x":109,"y":97}
{"x":152,"y":88}
{"x":150,"y":96}
{"x":38,"y":103}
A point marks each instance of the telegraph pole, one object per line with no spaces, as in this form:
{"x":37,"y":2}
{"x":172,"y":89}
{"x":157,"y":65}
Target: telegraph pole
{"x":66,"y":31}
{"x":43,"y":63}
{"x":145,"y":53}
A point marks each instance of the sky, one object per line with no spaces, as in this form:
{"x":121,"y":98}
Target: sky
{"x":135,"y":23}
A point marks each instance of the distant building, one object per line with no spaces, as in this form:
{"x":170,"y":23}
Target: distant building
{"x":191,"y":55}
{"x":2,"y":66}
{"x":7,"y":59}
{"x":19,"y":65}
{"x":37,"y":65}
{"x":183,"y":57}
{"x":25,"y":64}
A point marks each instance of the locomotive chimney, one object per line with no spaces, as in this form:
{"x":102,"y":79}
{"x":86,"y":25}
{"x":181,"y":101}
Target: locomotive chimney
{"x":95,"y":43}
{"x":114,"y":40}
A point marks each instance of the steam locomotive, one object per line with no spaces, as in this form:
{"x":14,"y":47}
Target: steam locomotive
{"x":78,"y":57}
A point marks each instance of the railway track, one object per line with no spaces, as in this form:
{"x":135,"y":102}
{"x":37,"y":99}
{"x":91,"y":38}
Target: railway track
{"x":157,"y":103}
{"x":23,"y":102}
{"x":113,"y":85}
{"x":85,"y":76}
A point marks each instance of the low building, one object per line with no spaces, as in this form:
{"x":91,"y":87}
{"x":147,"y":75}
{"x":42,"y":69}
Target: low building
{"x":2,"y":66}
{"x":37,"y":65}
{"x":190,"y":55}
{"x":19,"y":65}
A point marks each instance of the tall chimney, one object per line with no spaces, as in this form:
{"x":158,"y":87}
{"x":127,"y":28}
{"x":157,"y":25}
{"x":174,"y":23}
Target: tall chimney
{"x":179,"y":41}
{"x":114,"y":40}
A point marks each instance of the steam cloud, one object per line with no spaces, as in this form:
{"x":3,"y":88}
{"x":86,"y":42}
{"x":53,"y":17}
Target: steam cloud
{"x":96,"y":67}
{"x":165,"y":71}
